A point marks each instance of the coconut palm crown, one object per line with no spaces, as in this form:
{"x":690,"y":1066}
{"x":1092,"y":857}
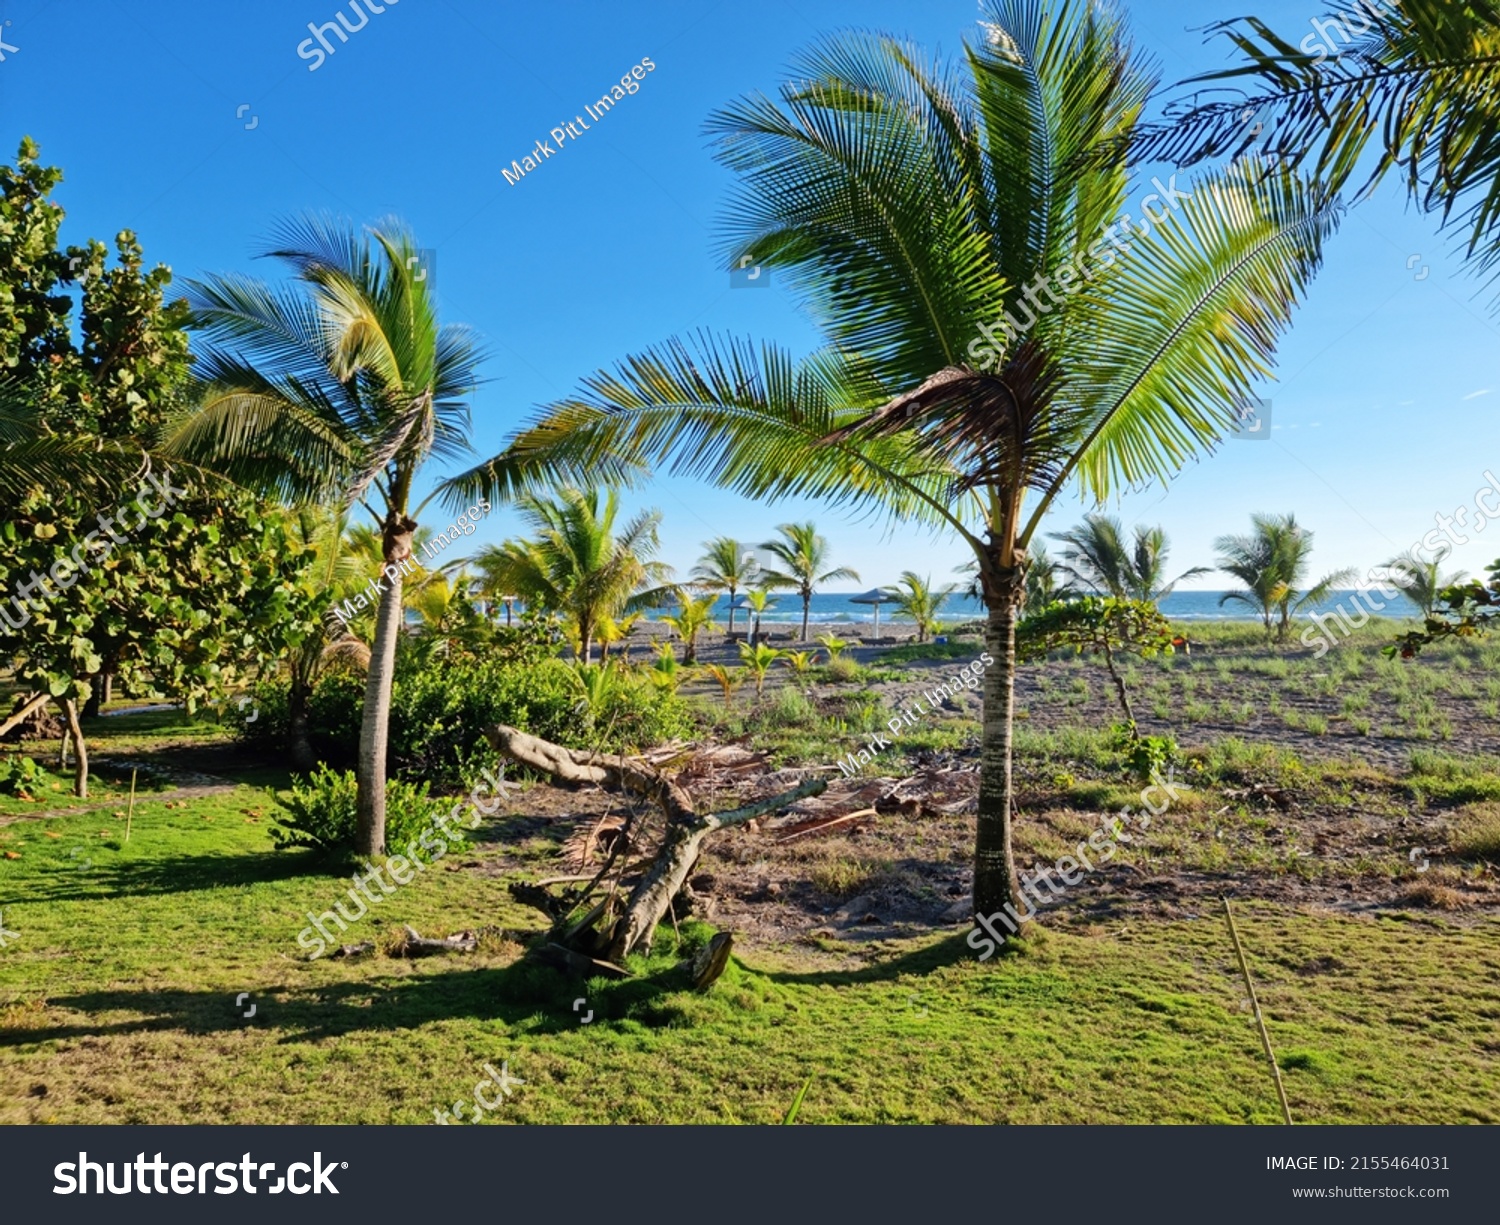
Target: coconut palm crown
{"x":912,"y":203}
{"x":1098,"y":558}
{"x":337,"y":389}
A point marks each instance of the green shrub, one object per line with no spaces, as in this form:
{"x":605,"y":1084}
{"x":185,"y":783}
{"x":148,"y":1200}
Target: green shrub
{"x":1145,"y":756}
{"x":21,"y":775}
{"x":321,"y":812}
{"x":840,"y":671}
{"x":791,"y":709}
{"x":440,"y":708}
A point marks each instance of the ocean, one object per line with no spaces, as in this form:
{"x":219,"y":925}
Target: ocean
{"x":830,"y":607}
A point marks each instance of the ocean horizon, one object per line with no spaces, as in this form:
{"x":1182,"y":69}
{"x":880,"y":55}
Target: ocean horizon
{"x":834,"y":607}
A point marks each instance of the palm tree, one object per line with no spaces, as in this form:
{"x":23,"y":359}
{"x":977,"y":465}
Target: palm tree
{"x":835,"y":646}
{"x":339,"y":573}
{"x":758,"y":660}
{"x":802,"y":554}
{"x":1272,"y":562}
{"x":1098,"y":559}
{"x":916,"y":597}
{"x":1418,"y":78}
{"x":1043,"y":580}
{"x":800,"y":662}
{"x":1422,"y":582}
{"x":913,"y":205}
{"x":577,"y":565}
{"x":758,"y":601}
{"x":692,"y":618}
{"x":336,"y":390}
{"x":666,"y":673}
{"x":726,"y":566}
{"x":729,"y":679}
{"x":31,"y":454}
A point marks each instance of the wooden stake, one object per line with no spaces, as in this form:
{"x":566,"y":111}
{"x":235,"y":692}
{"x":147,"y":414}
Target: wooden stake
{"x":1265,"y":1038}
{"x":130,"y":811}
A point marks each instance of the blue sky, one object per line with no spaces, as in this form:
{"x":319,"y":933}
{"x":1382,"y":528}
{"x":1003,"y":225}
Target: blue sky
{"x":1384,"y":414}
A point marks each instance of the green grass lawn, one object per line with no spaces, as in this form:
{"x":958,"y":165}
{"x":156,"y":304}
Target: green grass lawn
{"x":118,"y":1004}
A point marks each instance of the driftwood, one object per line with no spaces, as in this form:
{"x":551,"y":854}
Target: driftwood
{"x":578,"y":963}
{"x":664,"y":876}
{"x":415,"y":945}
{"x":711,"y":960}
{"x":29,"y":706}
{"x":818,"y":827}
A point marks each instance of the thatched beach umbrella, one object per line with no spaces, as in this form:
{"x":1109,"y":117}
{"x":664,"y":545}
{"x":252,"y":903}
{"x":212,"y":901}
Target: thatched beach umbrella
{"x":877,"y":597}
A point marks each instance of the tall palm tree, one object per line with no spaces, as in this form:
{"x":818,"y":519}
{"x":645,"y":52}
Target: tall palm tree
{"x":578,"y":565}
{"x":803,"y":554}
{"x":338,"y":388}
{"x":1097,"y":557}
{"x":1422,"y":582}
{"x":919,"y":600}
{"x":1272,"y":562}
{"x":728,"y":567}
{"x":1418,"y":79}
{"x":913,"y":203}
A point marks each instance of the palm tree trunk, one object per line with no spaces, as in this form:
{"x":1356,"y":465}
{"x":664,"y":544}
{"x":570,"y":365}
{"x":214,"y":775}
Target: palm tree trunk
{"x":731,"y":610}
{"x":995,"y":882}
{"x":806,"y":609}
{"x":299,"y":725}
{"x":374,"y":731}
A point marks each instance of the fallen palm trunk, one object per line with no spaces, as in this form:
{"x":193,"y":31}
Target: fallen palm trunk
{"x":826,"y":823}
{"x":665,"y":875}
{"x":415,"y":945}
{"x":29,"y":706}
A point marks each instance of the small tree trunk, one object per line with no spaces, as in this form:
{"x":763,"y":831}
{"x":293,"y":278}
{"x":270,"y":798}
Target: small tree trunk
{"x":995,"y":881}
{"x":299,"y":725}
{"x":1109,"y":662}
{"x":101,"y":688}
{"x":80,"y":748}
{"x":374,"y":732}
{"x":806,"y":610}
{"x":731,"y":610}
